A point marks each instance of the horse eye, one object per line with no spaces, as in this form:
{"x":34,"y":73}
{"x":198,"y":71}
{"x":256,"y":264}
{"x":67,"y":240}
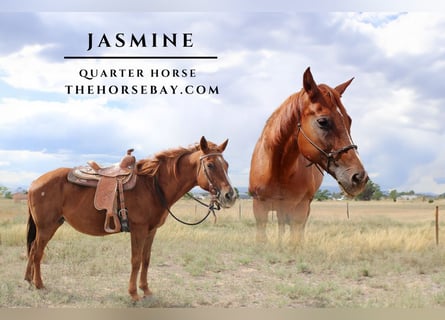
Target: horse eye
{"x":323,"y":123}
{"x":210,"y":165}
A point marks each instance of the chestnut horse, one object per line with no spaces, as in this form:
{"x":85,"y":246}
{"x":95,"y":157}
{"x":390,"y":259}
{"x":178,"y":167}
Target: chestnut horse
{"x":52,"y":200}
{"x":308,"y":133}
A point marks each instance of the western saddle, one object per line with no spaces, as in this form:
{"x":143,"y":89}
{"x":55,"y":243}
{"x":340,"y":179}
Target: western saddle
{"x":110,"y":183}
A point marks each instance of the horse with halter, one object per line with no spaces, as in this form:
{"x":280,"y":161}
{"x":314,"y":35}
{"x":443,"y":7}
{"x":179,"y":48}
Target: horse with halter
{"x":308,"y":134}
{"x":161,"y":181}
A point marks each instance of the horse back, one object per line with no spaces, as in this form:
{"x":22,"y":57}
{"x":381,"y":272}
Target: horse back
{"x":49,"y":185}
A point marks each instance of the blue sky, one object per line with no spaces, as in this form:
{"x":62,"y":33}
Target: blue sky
{"x":396,"y":100}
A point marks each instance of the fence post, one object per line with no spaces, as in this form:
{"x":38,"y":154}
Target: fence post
{"x":437,"y":225}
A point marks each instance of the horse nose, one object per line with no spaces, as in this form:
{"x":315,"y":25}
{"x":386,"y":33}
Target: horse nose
{"x":229,"y":198}
{"x":359,"y":178}
{"x":230,"y":195}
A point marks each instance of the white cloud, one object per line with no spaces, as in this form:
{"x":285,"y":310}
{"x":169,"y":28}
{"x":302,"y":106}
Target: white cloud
{"x":24,"y":166}
{"x":398,"y":34}
{"x":27,"y":69}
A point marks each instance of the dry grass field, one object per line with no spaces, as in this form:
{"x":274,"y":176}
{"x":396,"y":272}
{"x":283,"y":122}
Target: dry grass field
{"x":383,"y":255}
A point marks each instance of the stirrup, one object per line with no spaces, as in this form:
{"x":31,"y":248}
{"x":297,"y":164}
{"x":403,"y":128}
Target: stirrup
{"x":112,"y":219}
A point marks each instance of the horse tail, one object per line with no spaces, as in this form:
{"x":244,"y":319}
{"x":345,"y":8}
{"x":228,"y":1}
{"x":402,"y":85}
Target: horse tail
{"x":31,"y":232}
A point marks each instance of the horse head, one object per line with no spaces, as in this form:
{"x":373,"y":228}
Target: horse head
{"x":324,"y":134}
{"x":212,"y":173}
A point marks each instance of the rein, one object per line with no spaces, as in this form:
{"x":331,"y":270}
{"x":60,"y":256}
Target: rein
{"x":214,"y":205}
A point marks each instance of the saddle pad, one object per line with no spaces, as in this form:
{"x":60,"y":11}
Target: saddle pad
{"x":105,"y":194}
{"x":77,"y":176}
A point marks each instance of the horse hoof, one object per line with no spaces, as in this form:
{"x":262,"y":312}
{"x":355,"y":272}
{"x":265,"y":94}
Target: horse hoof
{"x":148,"y":294}
{"x":135,"y":297}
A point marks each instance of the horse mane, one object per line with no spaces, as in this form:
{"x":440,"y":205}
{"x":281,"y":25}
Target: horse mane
{"x":169,"y":158}
{"x":282,"y":124}
{"x":283,"y":121}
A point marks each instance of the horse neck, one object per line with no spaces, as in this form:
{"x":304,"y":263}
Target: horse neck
{"x":179,"y":181}
{"x":281,"y":138}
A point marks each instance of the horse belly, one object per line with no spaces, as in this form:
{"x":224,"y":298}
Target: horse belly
{"x":79,"y":211}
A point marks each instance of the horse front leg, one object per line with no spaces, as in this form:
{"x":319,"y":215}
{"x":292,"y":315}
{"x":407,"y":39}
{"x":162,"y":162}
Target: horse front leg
{"x":138,"y":236}
{"x":281,"y":217}
{"x":146,"y":254}
{"x":260,"y":211}
{"x":296,"y":235}
{"x":298,"y":223}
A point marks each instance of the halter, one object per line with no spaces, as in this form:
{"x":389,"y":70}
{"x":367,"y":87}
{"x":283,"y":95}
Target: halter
{"x":329,"y":156}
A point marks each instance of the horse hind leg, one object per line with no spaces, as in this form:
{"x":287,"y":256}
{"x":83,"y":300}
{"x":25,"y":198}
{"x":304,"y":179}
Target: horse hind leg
{"x":36,"y":250}
{"x":31,"y":236}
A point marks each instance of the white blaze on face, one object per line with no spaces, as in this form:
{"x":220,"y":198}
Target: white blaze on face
{"x":221,"y":160}
{"x":347,"y":132}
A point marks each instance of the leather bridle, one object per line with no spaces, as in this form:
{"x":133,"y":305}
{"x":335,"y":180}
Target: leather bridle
{"x":212,"y":190}
{"x":330,"y":156}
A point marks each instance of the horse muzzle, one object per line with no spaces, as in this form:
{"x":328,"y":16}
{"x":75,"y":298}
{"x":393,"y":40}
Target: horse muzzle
{"x":353,"y":182}
{"x":226,"y":198}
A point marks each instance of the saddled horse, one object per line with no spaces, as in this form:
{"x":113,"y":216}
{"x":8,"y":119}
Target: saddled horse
{"x":308,"y":134}
{"x":161,"y":181}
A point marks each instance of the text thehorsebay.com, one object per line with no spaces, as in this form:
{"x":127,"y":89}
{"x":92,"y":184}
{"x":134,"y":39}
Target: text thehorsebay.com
{"x":145,"y":80}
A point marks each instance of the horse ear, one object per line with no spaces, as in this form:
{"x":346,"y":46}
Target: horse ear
{"x":203,"y":144}
{"x":309,"y":84}
{"x":223,"y":145}
{"x":342,"y":87}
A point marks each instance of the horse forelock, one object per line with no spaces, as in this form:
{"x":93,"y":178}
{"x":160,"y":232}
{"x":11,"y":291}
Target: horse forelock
{"x":333,"y":98}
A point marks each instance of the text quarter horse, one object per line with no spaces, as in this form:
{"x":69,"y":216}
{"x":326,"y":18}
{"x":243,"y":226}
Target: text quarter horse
{"x":308,"y":133}
{"x":52,"y":200}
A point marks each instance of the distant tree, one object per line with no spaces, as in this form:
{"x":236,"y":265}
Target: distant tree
{"x":5,"y":192}
{"x":322,"y":195}
{"x":393,"y":195}
{"x":372,"y":192}
{"x":337,"y":195}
